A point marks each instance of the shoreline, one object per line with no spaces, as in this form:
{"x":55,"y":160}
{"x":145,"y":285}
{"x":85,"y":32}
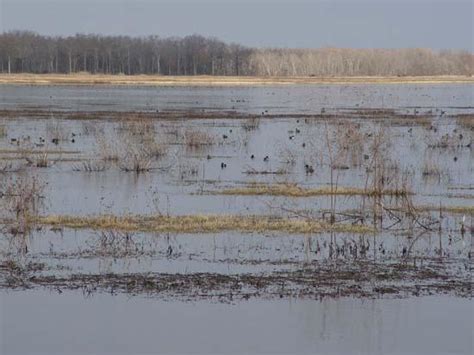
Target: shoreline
{"x":249,"y":81}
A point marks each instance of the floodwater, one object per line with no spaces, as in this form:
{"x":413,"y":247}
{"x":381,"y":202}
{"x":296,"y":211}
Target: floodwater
{"x":51,"y":323}
{"x":404,"y":289}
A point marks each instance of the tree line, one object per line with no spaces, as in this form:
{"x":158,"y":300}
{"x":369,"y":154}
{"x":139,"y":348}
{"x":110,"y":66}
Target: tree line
{"x":29,"y":52}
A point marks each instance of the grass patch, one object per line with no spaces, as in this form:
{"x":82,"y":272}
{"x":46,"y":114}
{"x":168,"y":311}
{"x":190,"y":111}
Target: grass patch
{"x":35,"y":151}
{"x":449,"y":209}
{"x":466,"y":120}
{"x":199,"y":224}
{"x":206,"y":80}
{"x":293,"y":190}
{"x":196,"y":139}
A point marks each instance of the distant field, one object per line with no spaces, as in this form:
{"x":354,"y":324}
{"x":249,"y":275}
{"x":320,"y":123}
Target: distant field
{"x":152,"y":80}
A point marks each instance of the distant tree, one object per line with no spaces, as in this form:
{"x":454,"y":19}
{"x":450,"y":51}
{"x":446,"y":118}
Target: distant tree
{"x":24,"y":51}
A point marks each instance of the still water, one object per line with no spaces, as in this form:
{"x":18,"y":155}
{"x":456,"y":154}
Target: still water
{"x":41,"y":322}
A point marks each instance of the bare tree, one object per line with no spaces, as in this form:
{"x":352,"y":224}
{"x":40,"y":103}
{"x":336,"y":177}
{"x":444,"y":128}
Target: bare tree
{"x":23,"y":51}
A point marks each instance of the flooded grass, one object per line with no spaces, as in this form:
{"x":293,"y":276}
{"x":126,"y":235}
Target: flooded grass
{"x":293,"y":190}
{"x":250,"y":120}
{"x":39,"y":151}
{"x":200,"y":224}
{"x":195,"y":139}
{"x":449,"y":209}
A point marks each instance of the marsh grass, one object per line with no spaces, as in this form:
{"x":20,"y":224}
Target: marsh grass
{"x":136,"y":126}
{"x":293,"y":190}
{"x":153,"y":148}
{"x":252,"y":171}
{"x":466,"y":121}
{"x":134,"y":149}
{"x":199,"y":224}
{"x":41,"y":160}
{"x":187,"y":170}
{"x":136,"y":160}
{"x":56,"y":131}
{"x":408,"y":120}
{"x":20,"y":200}
{"x":117,"y":244}
{"x":91,"y":166}
{"x":195,"y":139}
{"x":106,"y":150}
{"x":430,"y":169}
{"x":9,"y":167}
{"x":450,"y":209}
{"x":251,"y":124}
{"x":350,"y":142}
{"x":448,"y":141}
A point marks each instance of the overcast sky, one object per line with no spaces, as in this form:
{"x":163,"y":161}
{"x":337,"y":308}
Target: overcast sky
{"x":283,"y":23}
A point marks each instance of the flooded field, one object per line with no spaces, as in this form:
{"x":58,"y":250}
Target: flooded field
{"x":319,"y":218}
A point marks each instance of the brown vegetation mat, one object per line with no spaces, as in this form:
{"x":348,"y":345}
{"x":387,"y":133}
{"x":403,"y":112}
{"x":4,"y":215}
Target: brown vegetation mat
{"x":156,"y":80}
{"x":314,"y":280}
{"x":385,"y":114}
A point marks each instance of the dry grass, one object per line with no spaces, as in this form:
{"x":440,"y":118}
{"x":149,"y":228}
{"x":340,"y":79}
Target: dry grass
{"x":195,"y":138}
{"x":293,"y":190}
{"x":20,"y":201}
{"x":202,"y":80}
{"x":449,"y":209}
{"x":106,"y":150}
{"x":36,"y":151}
{"x":199,"y":224}
{"x":41,"y":161}
{"x":8,"y":167}
{"x":466,"y":120}
{"x":57,"y":131}
{"x":447,"y":141}
{"x":137,"y":126}
{"x":251,"y":124}
{"x":155,"y":149}
{"x":350,"y":143}
{"x":91,"y":166}
{"x":430,"y":168}
{"x":135,"y":149}
{"x":136,"y":160}
{"x":37,"y":159}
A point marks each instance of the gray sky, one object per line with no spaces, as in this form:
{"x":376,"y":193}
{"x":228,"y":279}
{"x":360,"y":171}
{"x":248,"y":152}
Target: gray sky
{"x":283,"y":23}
